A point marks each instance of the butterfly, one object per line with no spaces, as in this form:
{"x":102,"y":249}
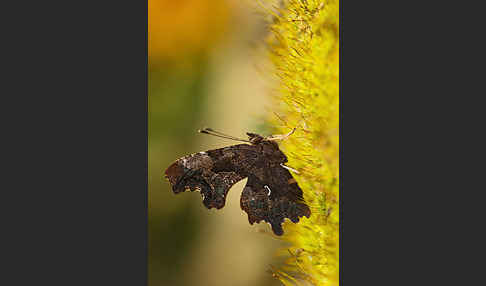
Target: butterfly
{"x":271,"y":193}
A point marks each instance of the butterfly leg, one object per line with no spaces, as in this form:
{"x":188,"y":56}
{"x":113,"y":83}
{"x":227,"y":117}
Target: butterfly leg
{"x":281,"y":137}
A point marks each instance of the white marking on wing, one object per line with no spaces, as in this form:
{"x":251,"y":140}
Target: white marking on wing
{"x":268,"y":189}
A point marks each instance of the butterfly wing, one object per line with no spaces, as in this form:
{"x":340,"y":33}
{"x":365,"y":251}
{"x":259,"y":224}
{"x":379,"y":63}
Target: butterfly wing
{"x":273,"y":199}
{"x":271,"y":193}
{"x":212,"y":172}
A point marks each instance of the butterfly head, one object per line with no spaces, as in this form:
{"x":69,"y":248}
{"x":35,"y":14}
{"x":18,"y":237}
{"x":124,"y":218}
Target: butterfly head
{"x":269,"y":147}
{"x":255,"y":138}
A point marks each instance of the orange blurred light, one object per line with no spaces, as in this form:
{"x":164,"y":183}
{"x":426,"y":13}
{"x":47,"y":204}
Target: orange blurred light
{"x":177,"y":28}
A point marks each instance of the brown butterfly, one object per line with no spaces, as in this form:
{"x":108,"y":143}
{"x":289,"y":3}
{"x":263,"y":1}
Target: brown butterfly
{"x":271,"y":193}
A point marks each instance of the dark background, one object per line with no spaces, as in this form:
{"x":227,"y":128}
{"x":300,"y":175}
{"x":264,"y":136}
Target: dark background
{"x":74,"y":104}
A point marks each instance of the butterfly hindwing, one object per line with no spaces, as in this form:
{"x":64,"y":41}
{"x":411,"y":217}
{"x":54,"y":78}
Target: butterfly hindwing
{"x":273,"y":200}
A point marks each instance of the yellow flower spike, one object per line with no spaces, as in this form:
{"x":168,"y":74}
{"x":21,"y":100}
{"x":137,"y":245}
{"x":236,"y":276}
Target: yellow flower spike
{"x":304,"y":48}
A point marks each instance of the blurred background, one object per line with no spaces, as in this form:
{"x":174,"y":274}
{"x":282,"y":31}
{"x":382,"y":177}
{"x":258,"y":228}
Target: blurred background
{"x":203,"y":72}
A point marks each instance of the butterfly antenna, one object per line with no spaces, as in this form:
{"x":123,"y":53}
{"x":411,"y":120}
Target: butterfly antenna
{"x":220,"y":134}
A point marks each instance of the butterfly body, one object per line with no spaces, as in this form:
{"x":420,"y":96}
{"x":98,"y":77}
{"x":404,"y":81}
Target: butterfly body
{"x":271,"y":193}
